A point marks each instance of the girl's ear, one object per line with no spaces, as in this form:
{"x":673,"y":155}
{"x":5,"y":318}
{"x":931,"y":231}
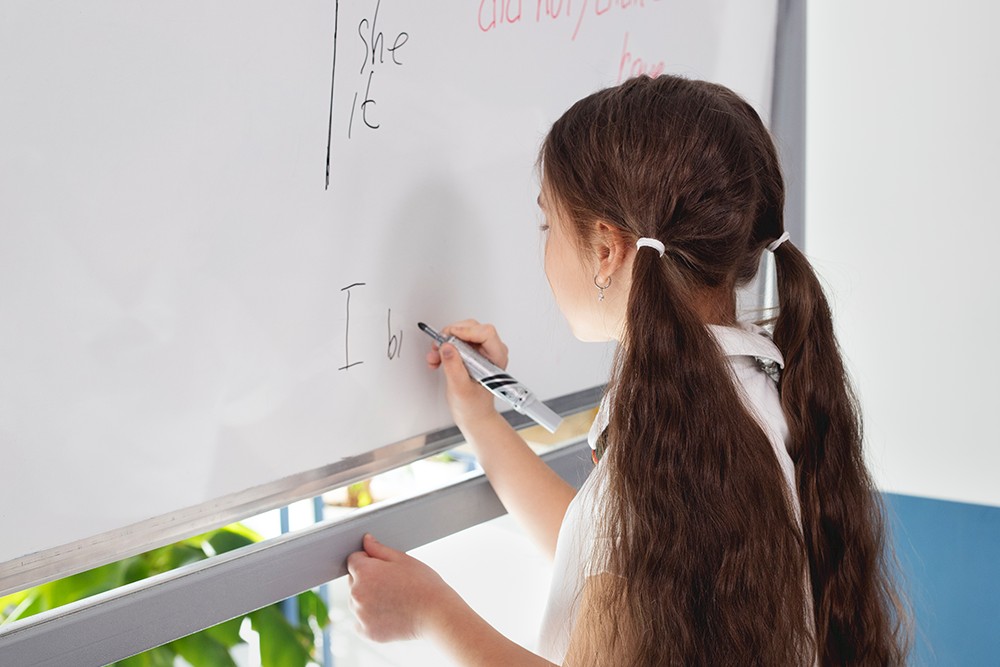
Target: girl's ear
{"x":611,"y":248}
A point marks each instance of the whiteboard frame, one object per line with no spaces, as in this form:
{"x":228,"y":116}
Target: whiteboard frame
{"x":154,"y":611}
{"x":788,"y":112}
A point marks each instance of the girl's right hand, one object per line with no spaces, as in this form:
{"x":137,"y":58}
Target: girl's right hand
{"x":469,"y":400}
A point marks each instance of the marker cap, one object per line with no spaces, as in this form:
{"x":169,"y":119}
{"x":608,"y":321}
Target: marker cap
{"x":541,"y":413}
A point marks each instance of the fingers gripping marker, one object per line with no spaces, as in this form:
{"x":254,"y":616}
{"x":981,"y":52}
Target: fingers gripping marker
{"x":498,"y":382}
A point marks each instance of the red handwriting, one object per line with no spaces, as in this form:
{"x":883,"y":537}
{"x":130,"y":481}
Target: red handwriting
{"x":635,"y":65}
{"x":494,"y":14}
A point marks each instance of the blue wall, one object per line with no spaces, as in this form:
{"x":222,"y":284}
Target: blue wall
{"x":950,"y":555}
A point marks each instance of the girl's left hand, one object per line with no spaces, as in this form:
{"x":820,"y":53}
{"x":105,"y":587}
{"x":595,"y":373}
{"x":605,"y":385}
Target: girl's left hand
{"x":393,"y":595}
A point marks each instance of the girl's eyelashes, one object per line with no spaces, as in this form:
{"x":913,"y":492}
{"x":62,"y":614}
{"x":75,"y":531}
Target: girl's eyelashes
{"x":543,"y":227}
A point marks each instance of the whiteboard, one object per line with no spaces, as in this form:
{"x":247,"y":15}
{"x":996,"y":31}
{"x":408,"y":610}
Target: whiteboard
{"x":901,"y":222}
{"x":221,"y":222}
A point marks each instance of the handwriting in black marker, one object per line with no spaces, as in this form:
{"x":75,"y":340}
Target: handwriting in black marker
{"x":368,"y":100}
{"x":374,"y":47}
{"x":374,"y":43}
{"x":395,"y":347}
{"x":351,"y":124}
{"x":347,"y":336}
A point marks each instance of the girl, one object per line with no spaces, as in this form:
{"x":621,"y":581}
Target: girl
{"x":730,"y":519}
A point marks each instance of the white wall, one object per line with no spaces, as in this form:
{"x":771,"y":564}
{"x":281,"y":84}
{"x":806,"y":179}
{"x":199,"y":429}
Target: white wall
{"x":902,"y":174}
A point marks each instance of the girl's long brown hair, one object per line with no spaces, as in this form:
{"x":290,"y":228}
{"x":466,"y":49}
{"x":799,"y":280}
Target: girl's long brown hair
{"x":714,"y":567}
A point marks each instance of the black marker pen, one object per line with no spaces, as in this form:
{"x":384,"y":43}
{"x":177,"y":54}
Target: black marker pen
{"x":498,"y":382}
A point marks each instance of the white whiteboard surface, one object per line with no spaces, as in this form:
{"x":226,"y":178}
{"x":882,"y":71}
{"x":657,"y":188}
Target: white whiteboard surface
{"x":902,"y":173}
{"x":173,"y":265}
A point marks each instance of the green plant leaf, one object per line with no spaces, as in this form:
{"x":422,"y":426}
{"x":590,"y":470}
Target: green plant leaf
{"x":19,"y":605}
{"x":244,"y":531}
{"x":179,"y":555}
{"x":280,"y":644}
{"x":36,"y":606}
{"x":228,"y":540}
{"x":311,"y":605}
{"x":228,"y":633}
{"x":158,"y":559}
{"x":12,"y":600}
{"x":161,"y":656}
{"x":136,"y":569}
{"x":78,"y":586}
{"x":203,"y":650}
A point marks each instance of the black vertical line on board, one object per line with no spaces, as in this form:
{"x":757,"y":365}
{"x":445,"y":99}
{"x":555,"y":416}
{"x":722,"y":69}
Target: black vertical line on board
{"x":347,"y":329}
{"x":333,"y":75}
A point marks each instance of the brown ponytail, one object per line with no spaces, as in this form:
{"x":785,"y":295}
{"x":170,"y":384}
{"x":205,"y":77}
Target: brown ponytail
{"x":841,"y":508}
{"x":718,"y":534}
{"x":713,"y":561}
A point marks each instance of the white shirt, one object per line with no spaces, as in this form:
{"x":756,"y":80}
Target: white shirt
{"x":751,"y":355}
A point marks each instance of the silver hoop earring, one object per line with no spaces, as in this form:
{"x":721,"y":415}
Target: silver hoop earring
{"x":600,"y":296}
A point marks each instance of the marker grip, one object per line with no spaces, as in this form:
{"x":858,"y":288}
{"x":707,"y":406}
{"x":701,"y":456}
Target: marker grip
{"x":490,"y":375}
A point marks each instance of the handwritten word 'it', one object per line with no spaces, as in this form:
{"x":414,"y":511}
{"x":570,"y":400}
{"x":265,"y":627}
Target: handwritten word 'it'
{"x":494,"y":14}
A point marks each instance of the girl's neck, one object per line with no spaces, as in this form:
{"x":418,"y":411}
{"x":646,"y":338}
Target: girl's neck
{"x":716,"y":305}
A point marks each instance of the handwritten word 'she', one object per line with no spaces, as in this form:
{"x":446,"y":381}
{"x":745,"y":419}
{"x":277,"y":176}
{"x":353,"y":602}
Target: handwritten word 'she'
{"x":494,"y":14}
{"x":379,"y":52}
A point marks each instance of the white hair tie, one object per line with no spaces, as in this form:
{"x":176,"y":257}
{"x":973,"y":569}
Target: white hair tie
{"x":646,"y":242}
{"x":777,"y":242}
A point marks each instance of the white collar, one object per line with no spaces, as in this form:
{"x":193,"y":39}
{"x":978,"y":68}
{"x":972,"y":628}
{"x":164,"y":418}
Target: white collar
{"x":746,"y":339}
